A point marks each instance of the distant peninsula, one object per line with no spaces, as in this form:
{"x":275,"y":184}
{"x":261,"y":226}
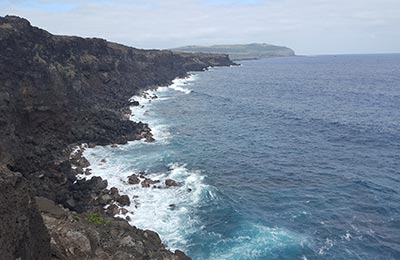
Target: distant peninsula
{"x":241,"y":51}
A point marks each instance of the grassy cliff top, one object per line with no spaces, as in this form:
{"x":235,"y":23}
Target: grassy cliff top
{"x":241,"y":51}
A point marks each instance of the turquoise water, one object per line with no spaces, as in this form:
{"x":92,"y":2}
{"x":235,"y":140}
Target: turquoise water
{"x":284,"y":158}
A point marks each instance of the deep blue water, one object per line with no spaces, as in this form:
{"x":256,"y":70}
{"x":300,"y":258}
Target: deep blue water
{"x":298,"y":158}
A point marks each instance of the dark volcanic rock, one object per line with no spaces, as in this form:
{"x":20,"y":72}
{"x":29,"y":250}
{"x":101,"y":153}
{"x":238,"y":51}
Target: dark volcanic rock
{"x":74,"y":237}
{"x":133,"y":179}
{"x":57,"y":91}
{"x":147,"y":182}
{"x":170,"y":183}
{"x":124,"y":200}
{"x":22,"y":232}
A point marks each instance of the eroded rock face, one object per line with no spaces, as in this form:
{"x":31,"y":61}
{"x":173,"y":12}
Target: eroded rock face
{"x":74,"y":237}
{"x":22,"y":233}
{"x":58,"y":91}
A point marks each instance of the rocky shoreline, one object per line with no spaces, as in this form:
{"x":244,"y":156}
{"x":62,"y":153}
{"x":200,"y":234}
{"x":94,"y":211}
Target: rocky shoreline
{"x":57,"y":92}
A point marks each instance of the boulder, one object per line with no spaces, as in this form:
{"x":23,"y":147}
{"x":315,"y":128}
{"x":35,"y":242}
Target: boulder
{"x":112,"y":210}
{"x":170,"y":183}
{"x":147,"y":182}
{"x":114,"y":193}
{"x":83,"y":162}
{"x":123,"y":211}
{"x":124,"y":200}
{"x":133,"y":179}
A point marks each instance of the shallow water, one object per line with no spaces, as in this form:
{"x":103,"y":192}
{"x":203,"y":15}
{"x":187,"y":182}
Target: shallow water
{"x":284,"y":158}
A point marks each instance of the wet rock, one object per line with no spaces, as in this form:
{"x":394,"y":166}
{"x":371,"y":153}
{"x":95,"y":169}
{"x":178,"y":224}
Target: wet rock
{"x":147,"y":182}
{"x":98,"y":183}
{"x":114,"y":193}
{"x":88,"y":171}
{"x":112,"y":210}
{"x":151,"y":235}
{"x":83,"y":162}
{"x":103,"y":160}
{"x":170,"y":183}
{"x":149,"y":139}
{"x":124,"y":200}
{"x":134,"y":103}
{"x":133,"y":179}
{"x":114,"y":146}
{"x":172,"y":206}
{"x":123,"y":211}
{"x":79,"y":170}
{"x":91,"y":145}
{"x":181,"y":255}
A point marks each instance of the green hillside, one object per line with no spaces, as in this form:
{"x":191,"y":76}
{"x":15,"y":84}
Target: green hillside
{"x":242,"y":51}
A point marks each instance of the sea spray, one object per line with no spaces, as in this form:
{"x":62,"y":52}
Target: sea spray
{"x":194,"y":216}
{"x":170,"y":211}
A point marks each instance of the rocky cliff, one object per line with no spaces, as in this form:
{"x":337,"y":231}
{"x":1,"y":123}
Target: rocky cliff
{"x":57,"y":91}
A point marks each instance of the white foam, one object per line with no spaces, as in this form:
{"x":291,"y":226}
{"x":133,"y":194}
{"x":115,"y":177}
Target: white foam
{"x":327,"y":245}
{"x":170,"y":211}
{"x":144,"y":112}
{"x":179,"y":83}
{"x":254,"y":241}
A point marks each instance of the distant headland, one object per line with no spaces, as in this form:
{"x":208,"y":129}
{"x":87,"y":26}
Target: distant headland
{"x":241,"y":51}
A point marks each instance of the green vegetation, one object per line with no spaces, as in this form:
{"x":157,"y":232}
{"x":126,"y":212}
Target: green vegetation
{"x":242,"y":51}
{"x":97,"y":219}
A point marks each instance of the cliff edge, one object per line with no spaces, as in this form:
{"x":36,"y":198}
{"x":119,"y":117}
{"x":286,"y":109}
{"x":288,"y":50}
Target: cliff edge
{"x":58,"y":91}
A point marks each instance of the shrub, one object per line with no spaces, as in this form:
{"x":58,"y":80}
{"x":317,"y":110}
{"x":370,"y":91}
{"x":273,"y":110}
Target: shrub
{"x":97,"y":219}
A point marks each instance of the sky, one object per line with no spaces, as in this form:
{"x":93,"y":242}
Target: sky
{"x":307,"y":26}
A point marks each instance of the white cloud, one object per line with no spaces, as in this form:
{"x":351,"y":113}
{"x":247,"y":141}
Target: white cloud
{"x":308,"y":26}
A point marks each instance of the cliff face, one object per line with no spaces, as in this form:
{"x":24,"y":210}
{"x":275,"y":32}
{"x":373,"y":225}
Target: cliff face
{"x":58,"y":90}
{"x":22,"y":232}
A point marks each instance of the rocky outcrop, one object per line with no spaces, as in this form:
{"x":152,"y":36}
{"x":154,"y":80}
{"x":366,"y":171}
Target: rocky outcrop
{"x":59,"y":91}
{"x":22,"y":233}
{"x":77,"y":236}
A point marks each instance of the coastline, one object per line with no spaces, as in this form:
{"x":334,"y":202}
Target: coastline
{"x":54,"y":101}
{"x":144,"y":210}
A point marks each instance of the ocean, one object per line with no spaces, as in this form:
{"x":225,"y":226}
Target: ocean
{"x":283,"y":158}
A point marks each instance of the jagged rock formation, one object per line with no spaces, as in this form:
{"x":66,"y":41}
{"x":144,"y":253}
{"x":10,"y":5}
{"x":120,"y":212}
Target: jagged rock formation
{"x":56,"y":91}
{"x":22,"y":233}
{"x":73,"y":236}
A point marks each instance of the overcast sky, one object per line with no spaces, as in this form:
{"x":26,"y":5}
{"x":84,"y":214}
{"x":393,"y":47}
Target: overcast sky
{"x":307,"y":26}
